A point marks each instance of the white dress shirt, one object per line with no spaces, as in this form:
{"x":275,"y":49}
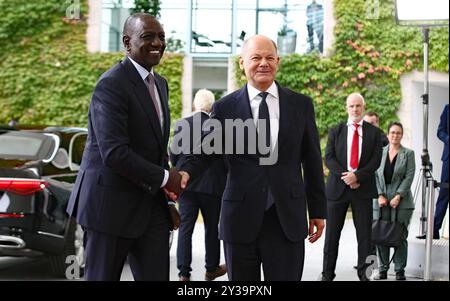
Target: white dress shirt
{"x":351,"y":130}
{"x":273,"y":104}
{"x":144,"y":73}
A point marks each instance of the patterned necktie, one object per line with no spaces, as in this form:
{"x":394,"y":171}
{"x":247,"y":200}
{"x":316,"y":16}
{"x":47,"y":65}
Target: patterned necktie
{"x":151,"y":89}
{"x":355,"y":149}
{"x":264,"y":115}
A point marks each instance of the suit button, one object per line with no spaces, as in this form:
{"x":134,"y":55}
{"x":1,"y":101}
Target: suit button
{"x":149,"y":188}
{"x":264,"y":189}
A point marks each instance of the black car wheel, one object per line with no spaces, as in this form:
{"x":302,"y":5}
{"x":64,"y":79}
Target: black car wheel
{"x":65,"y":266}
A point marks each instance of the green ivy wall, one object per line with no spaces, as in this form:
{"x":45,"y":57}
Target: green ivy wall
{"x":369,"y":56}
{"x":46,"y":74}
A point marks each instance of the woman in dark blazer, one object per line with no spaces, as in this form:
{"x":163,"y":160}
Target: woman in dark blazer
{"x":394,"y":178}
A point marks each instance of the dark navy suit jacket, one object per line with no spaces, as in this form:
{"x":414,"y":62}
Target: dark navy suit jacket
{"x":125,"y":155}
{"x":246,"y":190}
{"x":336,"y":161}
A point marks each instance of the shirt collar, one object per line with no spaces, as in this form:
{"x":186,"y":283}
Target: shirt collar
{"x":253,"y":92}
{"x":350,"y":122}
{"x":141,"y":70}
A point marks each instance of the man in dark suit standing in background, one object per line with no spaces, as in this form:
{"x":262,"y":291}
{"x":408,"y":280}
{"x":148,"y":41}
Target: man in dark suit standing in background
{"x":204,"y":194}
{"x":118,"y":196}
{"x":352,"y":155}
{"x":263,"y":217}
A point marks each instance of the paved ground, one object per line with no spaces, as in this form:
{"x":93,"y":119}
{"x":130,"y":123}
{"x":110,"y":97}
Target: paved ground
{"x":313,"y":258}
{"x":39,"y":269}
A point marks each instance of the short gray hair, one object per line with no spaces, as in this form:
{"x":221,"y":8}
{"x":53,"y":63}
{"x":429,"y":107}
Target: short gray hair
{"x":356,"y":94}
{"x":203,"y":100}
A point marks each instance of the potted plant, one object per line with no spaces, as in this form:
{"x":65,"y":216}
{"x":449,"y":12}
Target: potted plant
{"x":286,"y":40}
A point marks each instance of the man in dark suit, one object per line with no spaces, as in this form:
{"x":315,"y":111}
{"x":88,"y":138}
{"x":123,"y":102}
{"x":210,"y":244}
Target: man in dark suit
{"x":442,"y":201}
{"x":352,"y":155}
{"x":263,"y":217}
{"x":204,"y":194}
{"x":118,"y":196}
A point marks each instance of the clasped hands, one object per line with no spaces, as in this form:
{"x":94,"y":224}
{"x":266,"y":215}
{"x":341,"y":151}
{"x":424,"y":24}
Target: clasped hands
{"x":350,"y":179}
{"x":383,"y":201}
{"x":176,"y":183}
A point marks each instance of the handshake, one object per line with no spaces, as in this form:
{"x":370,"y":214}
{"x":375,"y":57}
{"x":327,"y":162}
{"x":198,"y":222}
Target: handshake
{"x":176,"y":183}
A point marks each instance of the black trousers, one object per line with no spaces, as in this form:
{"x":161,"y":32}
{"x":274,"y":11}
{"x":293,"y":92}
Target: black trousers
{"x":362,"y":219}
{"x":189,"y":205}
{"x":281,"y":259}
{"x":148,"y":254}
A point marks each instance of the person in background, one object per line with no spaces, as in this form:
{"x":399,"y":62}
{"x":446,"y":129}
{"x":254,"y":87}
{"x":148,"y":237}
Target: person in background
{"x":442,"y":201}
{"x":394,"y":178}
{"x":204,"y":194}
{"x":373,"y":118}
{"x":352,"y":155}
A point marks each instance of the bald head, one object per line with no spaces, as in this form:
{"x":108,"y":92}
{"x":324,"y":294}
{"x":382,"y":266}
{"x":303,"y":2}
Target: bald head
{"x":258,"y":39}
{"x":144,"y":39}
{"x":133,"y":21}
{"x":259,"y":61}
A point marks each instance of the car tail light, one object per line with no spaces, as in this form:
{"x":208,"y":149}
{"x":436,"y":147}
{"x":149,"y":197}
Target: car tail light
{"x":12,"y":215}
{"x":22,"y":186}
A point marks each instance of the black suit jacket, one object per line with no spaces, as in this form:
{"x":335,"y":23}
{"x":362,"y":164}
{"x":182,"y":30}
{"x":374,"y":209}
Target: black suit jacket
{"x":336,"y":161}
{"x":246,"y":190}
{"x":125,"y":155}
{"x":213,"y":179}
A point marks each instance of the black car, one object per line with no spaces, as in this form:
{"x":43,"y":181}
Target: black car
{"x":37,"y":170}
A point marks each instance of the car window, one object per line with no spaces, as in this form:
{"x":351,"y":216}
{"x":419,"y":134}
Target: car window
{"x":25,"y":145}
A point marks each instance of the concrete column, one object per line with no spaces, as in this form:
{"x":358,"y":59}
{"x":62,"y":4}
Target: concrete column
{"x":186,"y":86}
{"x":231,"y":78}
{"x":328,"y":27}
{"x":94,"y":25}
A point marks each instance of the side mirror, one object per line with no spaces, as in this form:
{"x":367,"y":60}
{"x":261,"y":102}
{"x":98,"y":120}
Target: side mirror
{"x":76,"y":148}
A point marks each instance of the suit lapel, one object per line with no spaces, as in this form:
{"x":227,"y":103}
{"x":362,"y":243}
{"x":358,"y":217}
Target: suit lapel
{"x":380,"y":169}
{"x":243,"y":110}
{"x":144,"y":99}
{"x":366,"y":142}
{"x":400,"y":160}
{"x":165,"y":106}
{"x":283,"y":121}
{"x":342,"y":147}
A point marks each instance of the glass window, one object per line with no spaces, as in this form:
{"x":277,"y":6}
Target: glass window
{"x":211,"y":26}
{"x":174,"y":17}
{"x":21,"y":145}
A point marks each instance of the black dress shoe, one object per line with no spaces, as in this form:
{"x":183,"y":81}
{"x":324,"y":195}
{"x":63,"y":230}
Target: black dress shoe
{"x":327,"y":277}
{"x":381,"y":276}
{"x":219,"y":271}
{"x":400,"y":275}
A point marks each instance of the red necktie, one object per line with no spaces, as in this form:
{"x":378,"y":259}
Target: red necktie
{"x":355,"y":148}
{"x":151,"y":88}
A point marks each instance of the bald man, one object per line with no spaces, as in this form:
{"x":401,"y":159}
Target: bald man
{"x":353,"y":154}
{"x":264,"y":206}
{"x":118,"y":196}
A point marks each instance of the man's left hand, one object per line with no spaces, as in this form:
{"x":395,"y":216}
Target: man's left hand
{"x":319,"y":224}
